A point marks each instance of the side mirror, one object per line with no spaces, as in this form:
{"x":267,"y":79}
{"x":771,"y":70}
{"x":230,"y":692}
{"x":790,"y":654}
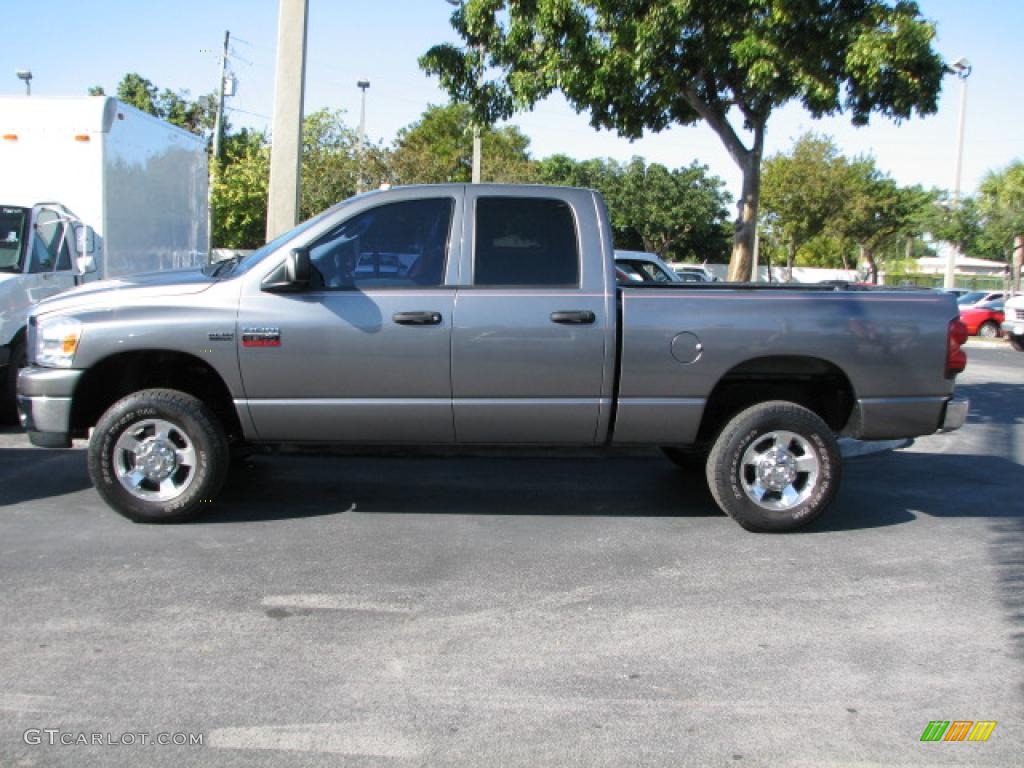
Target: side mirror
{"x":85,"y":247}
{"x":293,"y":274}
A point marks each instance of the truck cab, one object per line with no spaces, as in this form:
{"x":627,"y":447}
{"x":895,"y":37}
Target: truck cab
{"x":39,"y":258}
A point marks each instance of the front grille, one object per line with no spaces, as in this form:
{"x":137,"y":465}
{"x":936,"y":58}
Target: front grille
{"x":1019,"y":313}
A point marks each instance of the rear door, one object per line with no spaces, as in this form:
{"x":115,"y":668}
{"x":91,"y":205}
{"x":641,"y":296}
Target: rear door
{"x":531,"y":337}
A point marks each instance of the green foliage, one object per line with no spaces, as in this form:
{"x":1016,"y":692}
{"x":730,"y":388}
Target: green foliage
{"x":239,"y":192}
{"x":438,"y":148}
{"x":175,"y":107}
{"x":878,"y":212}
{"x":645,"y":65}
{"x":679,"y":214}
{"x":802,"y":192}
{"x":1001,"y":206}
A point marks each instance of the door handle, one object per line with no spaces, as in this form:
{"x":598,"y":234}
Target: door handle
{"x":573,"y":317}
{"x":417,"y":318}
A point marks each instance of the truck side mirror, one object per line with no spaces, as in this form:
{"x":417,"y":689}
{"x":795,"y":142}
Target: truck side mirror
{"x":293,"y":274}
{"x":85,"y":247}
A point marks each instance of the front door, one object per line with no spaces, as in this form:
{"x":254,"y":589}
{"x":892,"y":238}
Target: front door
{"x":364,"y":355}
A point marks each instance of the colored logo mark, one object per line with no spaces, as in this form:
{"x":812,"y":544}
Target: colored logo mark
{"x":958,"y":730}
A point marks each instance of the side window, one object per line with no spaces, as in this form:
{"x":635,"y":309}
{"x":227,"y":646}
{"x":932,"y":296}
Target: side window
{"x":525,"y":241}
{"x":49,"y":245}
{"x":392,"y":246}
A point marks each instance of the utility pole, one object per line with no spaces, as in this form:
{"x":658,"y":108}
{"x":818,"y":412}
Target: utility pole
{"x":26,"y":75}
{"x":218,"y":136}
{"x":218,"y":126}
{"x":361,"y":181}
{"x":286,"y":130}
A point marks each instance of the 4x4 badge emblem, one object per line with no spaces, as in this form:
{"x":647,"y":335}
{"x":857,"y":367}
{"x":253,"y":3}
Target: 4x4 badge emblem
{"x":261,"y":337}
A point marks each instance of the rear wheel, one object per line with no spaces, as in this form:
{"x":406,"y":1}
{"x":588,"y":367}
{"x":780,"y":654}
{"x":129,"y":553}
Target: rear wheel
{"x":157,"y":455}
{"x":988,"y":329}
{"x":774,"y":467}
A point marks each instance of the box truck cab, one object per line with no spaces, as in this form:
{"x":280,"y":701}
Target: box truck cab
{"x":90,"y":188}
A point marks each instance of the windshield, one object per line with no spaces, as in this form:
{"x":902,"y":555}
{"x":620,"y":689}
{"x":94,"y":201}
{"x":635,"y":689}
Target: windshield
{"x":12,"y":235}
{"x":972,"y":298}
{"x":259,"y":254}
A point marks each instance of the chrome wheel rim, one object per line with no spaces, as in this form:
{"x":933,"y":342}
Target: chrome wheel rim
{"x":779,"y":470}
{"x":154,"y":460}
{"x":987,"y":330}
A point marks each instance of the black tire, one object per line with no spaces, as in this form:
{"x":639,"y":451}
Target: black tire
{"x":191,"y":434}
{"x":1017,"y":342}
{"x":807,"y":469}
{"x":988,"y":330}
{"x":17,"y":361}
{"x":690,"y":459}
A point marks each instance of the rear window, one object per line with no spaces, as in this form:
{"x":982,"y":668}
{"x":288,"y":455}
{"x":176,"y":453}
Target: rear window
{"x":525,"y":241}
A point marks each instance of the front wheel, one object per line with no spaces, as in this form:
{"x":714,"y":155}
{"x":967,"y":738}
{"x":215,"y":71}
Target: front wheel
{"x":157,"y":455}
{"x":774,"y":467}
{"x":1017,"y":342}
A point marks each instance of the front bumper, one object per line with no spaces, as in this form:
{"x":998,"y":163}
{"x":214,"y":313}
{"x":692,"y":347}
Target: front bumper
{"x":44,"y":404}
{"x":1013,"y":327}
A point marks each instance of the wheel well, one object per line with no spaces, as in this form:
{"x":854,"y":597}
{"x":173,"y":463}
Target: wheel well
{"x":816,"y":384}
{"x":115,"y":377}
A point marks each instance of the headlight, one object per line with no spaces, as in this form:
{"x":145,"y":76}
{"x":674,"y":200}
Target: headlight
{"x":57,"y":341}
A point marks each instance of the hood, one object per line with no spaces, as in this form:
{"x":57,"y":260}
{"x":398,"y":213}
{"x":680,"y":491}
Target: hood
{"x":128,"y":289}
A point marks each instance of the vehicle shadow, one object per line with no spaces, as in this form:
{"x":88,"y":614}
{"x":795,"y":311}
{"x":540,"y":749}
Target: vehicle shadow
{"x":30,"y":474}
{"x":290,"y":486}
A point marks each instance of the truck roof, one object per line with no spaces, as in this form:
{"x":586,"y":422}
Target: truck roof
{"x":72,"y":114}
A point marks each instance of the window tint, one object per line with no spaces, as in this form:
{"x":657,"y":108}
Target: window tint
{"x":12,"y":228}
{"x":391,"y":246}
{"x":525,"y":241}
{"x":49,"y":246}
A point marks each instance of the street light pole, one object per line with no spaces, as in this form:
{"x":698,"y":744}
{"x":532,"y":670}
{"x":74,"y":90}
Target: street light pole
{"x":26,"y":75}
{"x":361,"y":183}
{"x":962,"y":69}
{"x":477,"y":150}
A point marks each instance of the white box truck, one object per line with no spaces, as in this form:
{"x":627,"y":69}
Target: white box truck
{"x":90,"y":188}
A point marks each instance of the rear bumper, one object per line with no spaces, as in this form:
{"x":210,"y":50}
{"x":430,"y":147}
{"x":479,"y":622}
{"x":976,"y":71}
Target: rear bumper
{"x":890,"y":418}
{"x":955,"y":414}
{"x":44,"y":405}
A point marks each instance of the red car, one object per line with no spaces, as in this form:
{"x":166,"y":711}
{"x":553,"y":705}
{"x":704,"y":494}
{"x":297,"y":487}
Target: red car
{"x":983,"y":319}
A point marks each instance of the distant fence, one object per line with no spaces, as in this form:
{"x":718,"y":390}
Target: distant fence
{"x":969,"y":282}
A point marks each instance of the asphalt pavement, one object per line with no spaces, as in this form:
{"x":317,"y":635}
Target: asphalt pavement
{"x":522,"y":612}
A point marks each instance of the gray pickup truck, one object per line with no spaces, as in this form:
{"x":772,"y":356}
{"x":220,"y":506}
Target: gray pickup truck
{"x":479,"y":315}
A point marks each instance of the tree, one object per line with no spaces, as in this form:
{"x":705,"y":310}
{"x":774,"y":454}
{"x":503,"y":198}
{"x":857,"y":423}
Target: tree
{"x":334,"y":167}
{"x":175,"y":107}
{"x":438,"y":148}
{"x":1001,"y":202}
{"x":802,"y":192}
{"x":645,"y":65}
{"x":877,"y":211}
{"x":678,"y":214}
{"x":678,"y":211}
{"x":239,"y":192}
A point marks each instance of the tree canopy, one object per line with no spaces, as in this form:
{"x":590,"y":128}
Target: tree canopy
{"x":646,"y":65}
{"x":437,"y":149}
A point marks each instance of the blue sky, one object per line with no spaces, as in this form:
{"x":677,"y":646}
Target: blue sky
{"x":176,"y":44}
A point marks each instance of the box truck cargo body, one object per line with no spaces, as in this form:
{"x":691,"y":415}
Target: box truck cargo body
{"x":90,"y":189}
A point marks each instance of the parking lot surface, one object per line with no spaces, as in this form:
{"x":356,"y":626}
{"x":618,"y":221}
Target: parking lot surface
{"x":522,"y":612}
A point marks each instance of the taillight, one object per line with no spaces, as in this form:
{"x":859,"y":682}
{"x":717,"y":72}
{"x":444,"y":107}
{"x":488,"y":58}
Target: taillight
{"x":956,"y":358}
